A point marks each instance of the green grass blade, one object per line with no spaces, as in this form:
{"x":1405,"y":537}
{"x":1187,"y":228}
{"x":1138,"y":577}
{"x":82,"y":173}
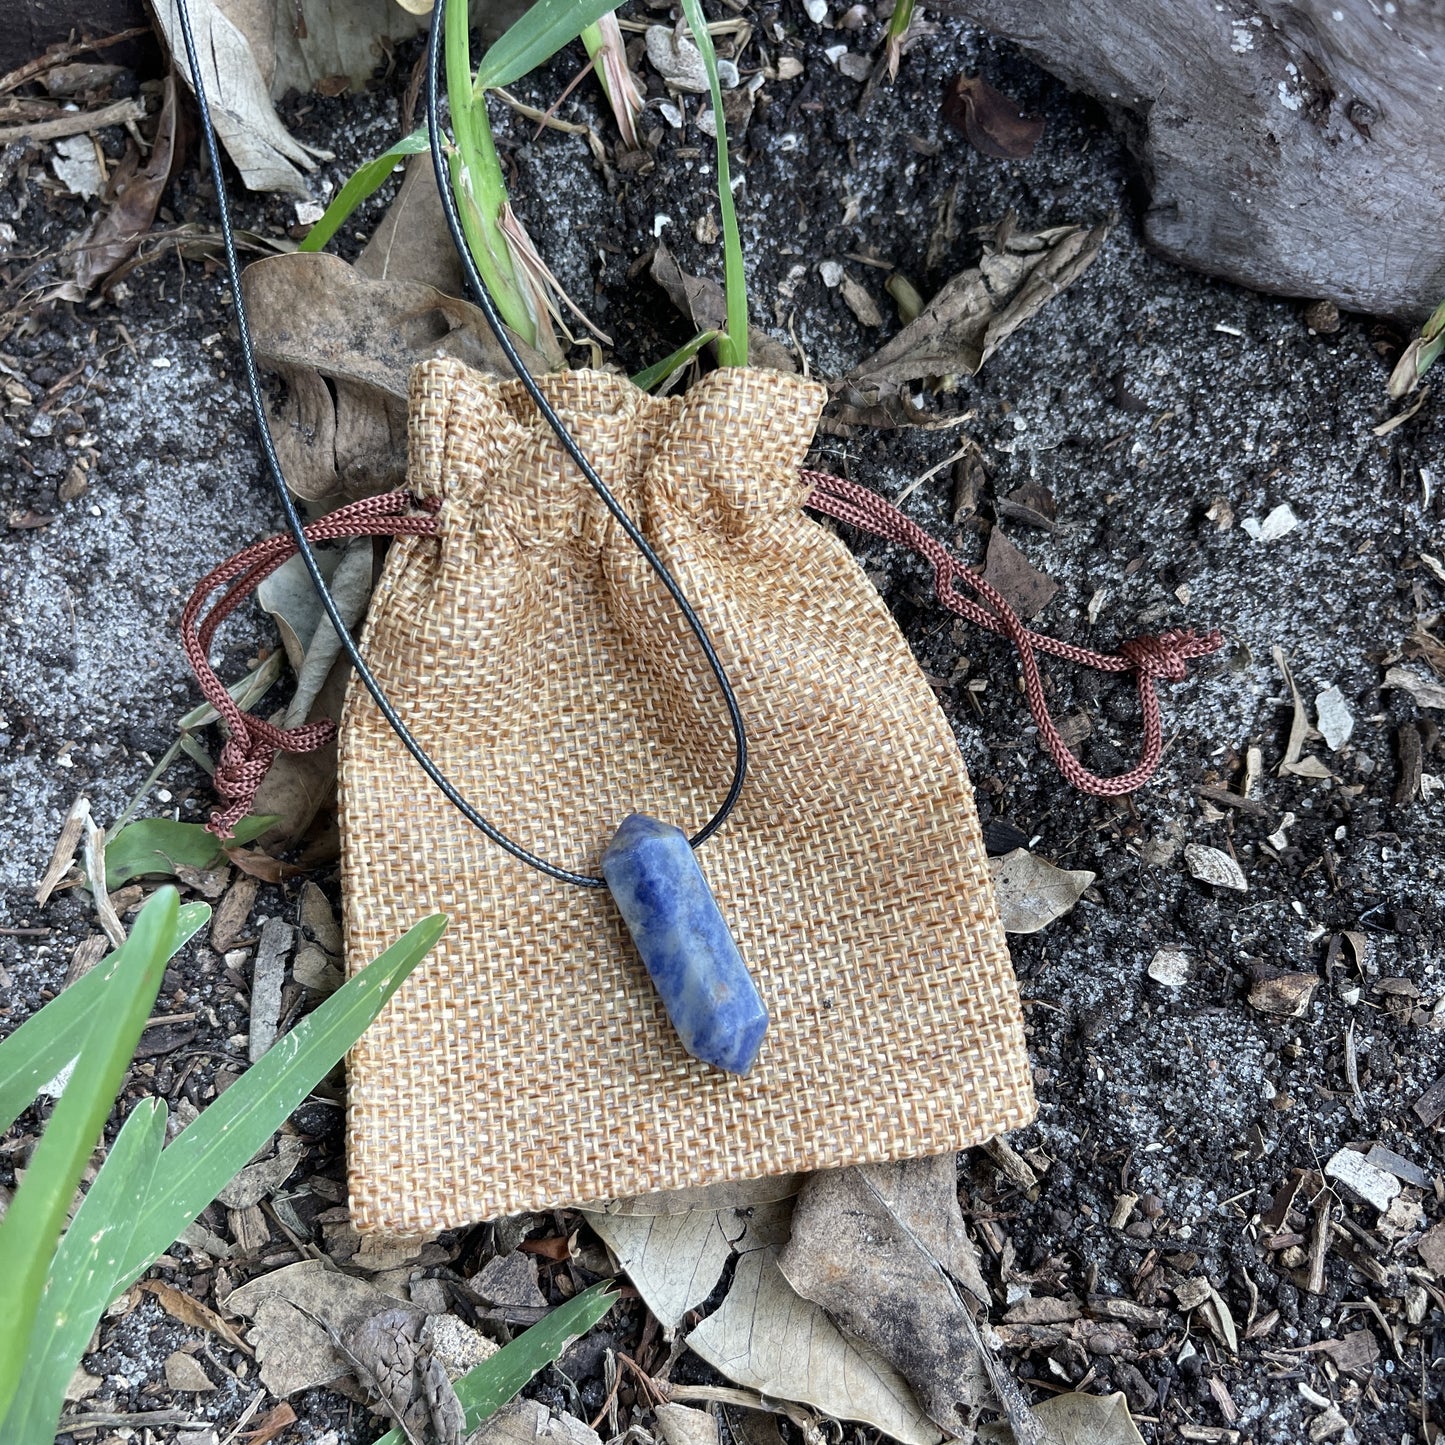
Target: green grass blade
{"x":32,"y":1226}
{"x":50,"y":1039}
{"x":212,"y":1149}
{"x":477,"y":181}
{"x":78,"y":1287}
{"x":536,"y":38}
{"x":484,"y":1390}
{"x":160,"y":845}
{"x":898,"y":25}
{"x":364,"y":182}
{"x":656,"y":375}
{"x":733,"y":346}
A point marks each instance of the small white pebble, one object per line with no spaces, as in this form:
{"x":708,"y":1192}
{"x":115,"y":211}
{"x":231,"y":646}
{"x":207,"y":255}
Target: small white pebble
{"x":817,"y":10}
{"x":160,"y":362}
{"x":1170,"y":966}
{"x":832,"y":273}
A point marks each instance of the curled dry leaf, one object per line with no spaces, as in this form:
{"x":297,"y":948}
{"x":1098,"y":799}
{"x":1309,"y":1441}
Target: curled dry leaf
{"x":293,"y":1309}
{"x":268,"y":157}
{"x":703,"y":302}
{"x":882,"y":1249}
{"x":1425,"y":692}
{"x":345,"y":346}
{"x":308,"y":45}
{"x":991,"y":122}
{"x":764,"y":1335}
{"x":529,"y":1422}
{"x":1032,"y":893}
{"x":312,"y":646}
{"x":1076,"y":1419}
{"x":132,"y":198}
{"x":412,"y":242}
{"x":192,"y":1312}
{"x":975,"y":312}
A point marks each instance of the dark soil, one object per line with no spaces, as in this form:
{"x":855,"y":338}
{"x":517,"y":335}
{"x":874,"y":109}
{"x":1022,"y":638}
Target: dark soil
{"x":1138,"y":399}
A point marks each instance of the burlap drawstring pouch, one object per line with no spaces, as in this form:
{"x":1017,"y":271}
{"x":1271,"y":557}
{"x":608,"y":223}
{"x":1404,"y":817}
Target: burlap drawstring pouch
{"x":528,"y":1062}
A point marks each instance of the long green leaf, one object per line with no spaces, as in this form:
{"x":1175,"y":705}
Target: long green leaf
{"x":365,"y":181}
{"x":161,"y":845}
{"x":31,"y":1229}
{"x":536,"y":38}
{"x":48,"y":1040}
{"x":212,"y":1149}
{"x":732,"y":348}
{"x":78,"y":1286}
{"x":484,"y":1390}
{"x":655,"y":375}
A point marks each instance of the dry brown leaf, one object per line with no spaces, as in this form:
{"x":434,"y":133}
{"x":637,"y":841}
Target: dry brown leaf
{"x":264,"y":151}
{"x":268,"y":1426}
{"x":412,"y":242}
{"x":682,"y":1425}
{"x":132,"y":198}
{"x":764,"y":1335}
{"x":190,"y":1311}
{"x":312,"y":646}
{"x":1032,"y":893}
{"x":1425,"y":692}
{"x":255,"y":863}
{"x":319,"y":45}
{"x":883,"y":1250}
{"x":293,"y":1350}
{"x":256,"y":1181}
{"x":391,"y":1361}
{"x":979,"y":309}
{"x":701,"y":300}
{"x":529,"y":1422}
{"x":992,"y":123}
{"x":1076,"y":1419}
{"x":1026,"y":589}
{"x":345,"y":346}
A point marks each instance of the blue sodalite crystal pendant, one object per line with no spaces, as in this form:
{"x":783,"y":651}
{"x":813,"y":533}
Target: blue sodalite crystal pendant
{"x":679,"y":931}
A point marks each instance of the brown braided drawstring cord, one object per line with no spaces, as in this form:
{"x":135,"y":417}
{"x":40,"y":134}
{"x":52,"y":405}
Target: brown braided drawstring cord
{"x":1151,"y":659}
{"x":253,"y":743}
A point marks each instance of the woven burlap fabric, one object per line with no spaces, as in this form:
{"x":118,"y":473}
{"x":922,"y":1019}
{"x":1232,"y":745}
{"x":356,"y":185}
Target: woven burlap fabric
{"x":527,"y":1062}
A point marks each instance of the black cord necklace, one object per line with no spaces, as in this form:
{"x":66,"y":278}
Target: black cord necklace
{"x":649,"y":866}
{"x":569,"y":443}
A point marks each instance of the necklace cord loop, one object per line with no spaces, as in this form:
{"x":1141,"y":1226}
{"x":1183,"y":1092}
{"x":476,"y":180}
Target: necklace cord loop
{"x":1164,"y":658}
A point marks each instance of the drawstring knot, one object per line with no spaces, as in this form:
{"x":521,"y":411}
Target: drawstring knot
{"x":253,"y":743}
{"x":1164,"y":658}
{"x":246,"y":758}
